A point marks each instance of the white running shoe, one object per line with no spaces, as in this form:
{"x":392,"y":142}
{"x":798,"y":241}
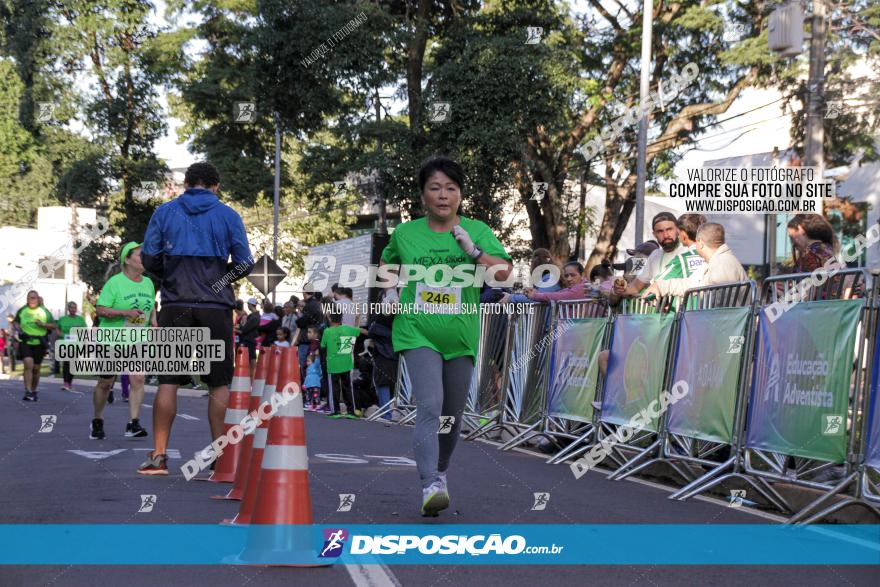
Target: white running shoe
{"x":434,"y":499}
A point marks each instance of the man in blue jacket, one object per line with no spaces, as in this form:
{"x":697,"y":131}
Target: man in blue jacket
{"x":188,"y":246}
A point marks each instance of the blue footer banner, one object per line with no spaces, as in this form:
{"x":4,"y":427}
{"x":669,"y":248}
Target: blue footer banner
{"x":454,"y":544}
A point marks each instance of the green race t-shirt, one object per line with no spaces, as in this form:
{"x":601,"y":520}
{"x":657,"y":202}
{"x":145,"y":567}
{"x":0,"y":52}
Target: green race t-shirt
{"x":450,"y":334}
{"x":27,"y":318}
{"x":339,"y":342}
{"x":66,"y":322}
{"x":682,"y":266}
{"x":121,"y":293}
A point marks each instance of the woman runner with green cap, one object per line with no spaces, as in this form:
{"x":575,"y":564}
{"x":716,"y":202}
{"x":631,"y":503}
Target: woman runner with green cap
{"x":127,"y":300}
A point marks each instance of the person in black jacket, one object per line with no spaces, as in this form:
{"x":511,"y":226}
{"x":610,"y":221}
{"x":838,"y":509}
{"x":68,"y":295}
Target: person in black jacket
{"x":247,"y":334}
{"x":312,"y":315}
{"x":384,"y":358}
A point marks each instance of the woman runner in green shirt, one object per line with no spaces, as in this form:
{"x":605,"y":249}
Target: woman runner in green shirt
{"x":127,"y":300}
{"x":438,"y":327}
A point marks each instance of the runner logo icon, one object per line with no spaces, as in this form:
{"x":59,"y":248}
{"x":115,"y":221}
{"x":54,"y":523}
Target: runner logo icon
{"x":334,"y":542}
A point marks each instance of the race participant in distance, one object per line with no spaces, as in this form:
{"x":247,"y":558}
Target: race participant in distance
{"x":34,"y":323}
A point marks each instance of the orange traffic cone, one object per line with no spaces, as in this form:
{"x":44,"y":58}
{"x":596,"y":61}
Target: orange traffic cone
{"x":273,"y":358}
{"x":236,"y":409}
{"x":244,"y":459}
{"x":281,"y":531}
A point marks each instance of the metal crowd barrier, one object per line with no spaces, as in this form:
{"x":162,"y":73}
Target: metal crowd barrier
{"x":524,"y":371}
{"x":805,"y":465}
{"x":486,"y":395}
{"x":558,"y":424}
{"x":578,"y":427}
{"x":613,"y":418}
{"x":868,"y":489}
{"x":524,"y":374}
{"x":861,"y":476}
{"x":402,"y":402}
{"x":695,"y":443}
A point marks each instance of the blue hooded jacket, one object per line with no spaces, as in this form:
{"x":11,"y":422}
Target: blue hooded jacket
{"x":188,"y":244}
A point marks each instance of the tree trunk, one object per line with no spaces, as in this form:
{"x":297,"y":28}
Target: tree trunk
{"x":582,"y":217}
{"x":554,"y":223}
{"x":619,"y":204}
{"x":414,"y":61}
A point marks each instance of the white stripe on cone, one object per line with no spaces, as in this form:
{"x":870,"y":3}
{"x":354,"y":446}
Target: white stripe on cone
{"x":257,"y":388}
{"x":292,"y":409}
{"x":286,"y":458}
{"x":260,"y":437}
{"x":234,"y":416}
{"x":240,"y":383}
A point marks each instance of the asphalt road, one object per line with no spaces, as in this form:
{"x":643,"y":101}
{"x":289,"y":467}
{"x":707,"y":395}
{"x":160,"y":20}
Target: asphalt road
{"x":45,"y":480}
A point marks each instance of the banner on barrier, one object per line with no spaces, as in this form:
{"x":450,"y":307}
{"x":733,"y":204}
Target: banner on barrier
{"x":872,"y":445}
{"x":800,"y":391}
{"x":575,"y":369}
{"x":709,"y":356}
{"x":636,"y":366}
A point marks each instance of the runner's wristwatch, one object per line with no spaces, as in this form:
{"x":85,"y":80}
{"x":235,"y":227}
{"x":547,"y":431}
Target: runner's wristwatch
{"x":475,"y":253}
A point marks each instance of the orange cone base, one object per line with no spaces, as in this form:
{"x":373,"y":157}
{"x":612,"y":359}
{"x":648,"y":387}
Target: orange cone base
{"x":273,"y":545}
{"x":229,"y":496}
{"x":242,"y":469}
{"x":284,"y":498}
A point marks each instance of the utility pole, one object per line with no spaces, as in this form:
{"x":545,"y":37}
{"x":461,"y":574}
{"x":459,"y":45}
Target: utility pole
{"x":644,"y":86}
{"x":277,"y":192}
{"x":74,"y":231}
{"x":815,"y":130}
{"x":380,"y":197}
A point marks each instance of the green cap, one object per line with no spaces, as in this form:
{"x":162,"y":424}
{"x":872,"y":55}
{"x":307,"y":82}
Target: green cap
{"x":126,"y":251}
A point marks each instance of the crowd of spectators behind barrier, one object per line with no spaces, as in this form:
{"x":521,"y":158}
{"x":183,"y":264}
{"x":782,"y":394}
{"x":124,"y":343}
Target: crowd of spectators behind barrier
{"x":686,"y":252}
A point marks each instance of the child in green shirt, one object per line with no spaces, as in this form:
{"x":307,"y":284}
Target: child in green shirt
{"x":339,"y":341}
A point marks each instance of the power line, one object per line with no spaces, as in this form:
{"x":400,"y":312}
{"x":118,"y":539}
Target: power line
{"x":617,"y":148}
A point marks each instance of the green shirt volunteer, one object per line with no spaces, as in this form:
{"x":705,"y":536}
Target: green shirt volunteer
{"x":454,"y":331}
{"x":339,"y":342}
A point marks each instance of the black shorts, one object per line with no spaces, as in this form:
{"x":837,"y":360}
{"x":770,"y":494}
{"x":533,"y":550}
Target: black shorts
{"x":251,"y":346}
{"x":219,"y":323}
{"x":34,"y":351}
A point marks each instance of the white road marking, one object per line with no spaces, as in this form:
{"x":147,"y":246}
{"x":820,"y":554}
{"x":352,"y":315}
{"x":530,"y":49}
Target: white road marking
{"x":357,"y":460}
{"x":372,"y":575}
{"x":171,"y":453}
{"x":184,"y":416}
{"x":97,"y":455}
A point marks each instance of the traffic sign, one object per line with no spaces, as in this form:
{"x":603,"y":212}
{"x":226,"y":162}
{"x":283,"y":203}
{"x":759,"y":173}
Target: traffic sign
{"x":266,"y":275}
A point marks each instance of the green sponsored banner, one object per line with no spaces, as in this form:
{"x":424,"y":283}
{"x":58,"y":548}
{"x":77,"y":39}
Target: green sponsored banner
{"x":575,"y":368}
{"x":711,"y":348}
{"x":800,"y":392}
{"x":636,"y":366}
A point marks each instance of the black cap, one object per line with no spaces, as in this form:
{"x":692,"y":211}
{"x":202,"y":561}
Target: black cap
{"x":664,"y":216}
{"x":647,"y":247}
